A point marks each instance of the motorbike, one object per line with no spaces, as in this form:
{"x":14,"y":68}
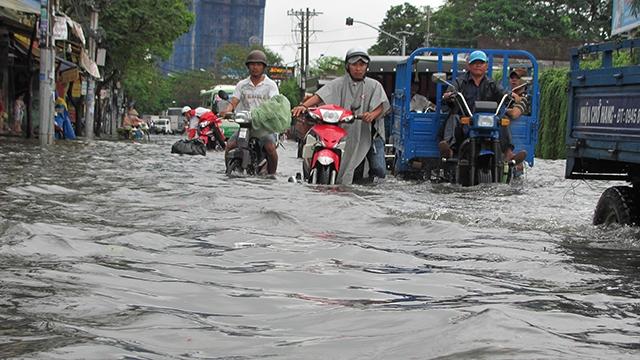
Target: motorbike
{"x":140,"y":132}
{"x":479,"y":159}
{"x":324,"y":143}
{"x":210,"y":134}
{"x":248,"y":156}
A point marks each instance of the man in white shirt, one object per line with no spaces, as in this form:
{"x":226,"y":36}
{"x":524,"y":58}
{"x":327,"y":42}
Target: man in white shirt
{"x":419,"y":102}
{"x":249,"y":93}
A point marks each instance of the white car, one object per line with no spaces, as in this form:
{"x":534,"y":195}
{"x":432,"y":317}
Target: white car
{"x":163,"y":126}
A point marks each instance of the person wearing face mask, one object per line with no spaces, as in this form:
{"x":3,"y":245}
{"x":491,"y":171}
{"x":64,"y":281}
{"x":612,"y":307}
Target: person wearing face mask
{"x":366,"y":98}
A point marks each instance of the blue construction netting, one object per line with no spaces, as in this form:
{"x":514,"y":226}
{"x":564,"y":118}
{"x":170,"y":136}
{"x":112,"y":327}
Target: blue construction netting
{"x":218,"y":22}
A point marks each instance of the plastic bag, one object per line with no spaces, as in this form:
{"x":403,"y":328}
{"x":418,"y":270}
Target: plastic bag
{"x":189,"y":147}
{"x":274,"y":115}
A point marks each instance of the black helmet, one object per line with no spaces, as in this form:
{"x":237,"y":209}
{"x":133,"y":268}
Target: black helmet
{"x":354,"y":55}
{"x":256,"y":56}
{"x":223,"y":95}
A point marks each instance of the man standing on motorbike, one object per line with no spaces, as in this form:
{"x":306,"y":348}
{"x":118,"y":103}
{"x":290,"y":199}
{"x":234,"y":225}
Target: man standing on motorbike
{"x":249,"y":93}
{"x":366,"y":98}
{"x":474,"y":85}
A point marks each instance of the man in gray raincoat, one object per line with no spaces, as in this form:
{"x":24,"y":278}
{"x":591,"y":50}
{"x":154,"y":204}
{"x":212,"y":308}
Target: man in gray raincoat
{"x":366,"y":98}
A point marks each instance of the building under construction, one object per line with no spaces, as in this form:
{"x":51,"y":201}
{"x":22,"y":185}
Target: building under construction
{"x":217,"y":22}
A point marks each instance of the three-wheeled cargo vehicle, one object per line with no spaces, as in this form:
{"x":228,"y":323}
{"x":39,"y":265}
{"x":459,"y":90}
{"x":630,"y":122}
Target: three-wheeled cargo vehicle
{"x":414,"y":133}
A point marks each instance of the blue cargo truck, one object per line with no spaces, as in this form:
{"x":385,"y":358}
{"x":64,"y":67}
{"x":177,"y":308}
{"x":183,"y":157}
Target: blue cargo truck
{"x":414,"y":134}
{"x":603,"y":129}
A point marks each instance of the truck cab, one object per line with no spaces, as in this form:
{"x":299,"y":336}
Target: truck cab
{"x":603,"y":128}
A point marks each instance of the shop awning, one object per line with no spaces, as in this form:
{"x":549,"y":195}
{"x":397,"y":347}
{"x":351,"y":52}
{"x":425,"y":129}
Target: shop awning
{"x":27,"y":6}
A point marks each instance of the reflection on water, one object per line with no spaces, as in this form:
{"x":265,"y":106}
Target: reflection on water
{"x":123,"y":250}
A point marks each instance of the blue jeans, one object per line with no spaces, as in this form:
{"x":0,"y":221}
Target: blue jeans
{"x":377,"y":162}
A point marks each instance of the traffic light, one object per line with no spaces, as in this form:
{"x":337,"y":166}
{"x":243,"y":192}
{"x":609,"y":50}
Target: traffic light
{"x":349,"y":21}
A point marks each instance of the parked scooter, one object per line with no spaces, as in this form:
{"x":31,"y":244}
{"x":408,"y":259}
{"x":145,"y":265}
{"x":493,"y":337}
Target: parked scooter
{"x":248,"y":156}
{"x":324,"y":143}
{"x":479,"y":159}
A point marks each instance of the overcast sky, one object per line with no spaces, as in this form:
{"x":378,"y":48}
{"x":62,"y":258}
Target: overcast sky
{"x":336,"y":38}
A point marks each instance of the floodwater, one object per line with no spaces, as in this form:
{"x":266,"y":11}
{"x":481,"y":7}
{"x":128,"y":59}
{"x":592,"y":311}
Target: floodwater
{"x":119,"y":250}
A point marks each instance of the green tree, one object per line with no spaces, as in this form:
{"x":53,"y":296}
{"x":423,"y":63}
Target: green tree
{"x":458,"y":23}
{"x":151,"y":89}
{"x":327,"y":66}
{"x":135,"y":34}
{"x":291,"y":90}
{"x":461,"y":21}
{"x":186,"y":86}
{"x":405,"y":17}
{"x":230,"y":60}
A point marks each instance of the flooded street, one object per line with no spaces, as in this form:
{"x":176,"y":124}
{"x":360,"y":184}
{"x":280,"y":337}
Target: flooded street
{"x":119,"y":250}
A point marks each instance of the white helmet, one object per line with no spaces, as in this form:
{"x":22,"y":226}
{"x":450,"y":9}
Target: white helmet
{"x":354,"y":55}
{"x":186,"y":109}
{"x":201,"y":111}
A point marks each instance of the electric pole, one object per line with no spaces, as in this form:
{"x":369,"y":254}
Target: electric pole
{"x":427,"y":35}
{"x":303,"y":17}
{"x":90,"y":105}
{"x":47,"y":73}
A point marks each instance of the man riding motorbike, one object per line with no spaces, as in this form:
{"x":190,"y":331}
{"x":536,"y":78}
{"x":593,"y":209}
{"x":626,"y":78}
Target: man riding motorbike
{"x":366,"y":98}
{"x":474,"y":85}
{"x":249,"y":93}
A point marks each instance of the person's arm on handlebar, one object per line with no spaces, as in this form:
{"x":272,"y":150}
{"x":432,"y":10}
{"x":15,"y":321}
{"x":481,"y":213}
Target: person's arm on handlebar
{"x":232,"y":105}
{"x":303,"y":106}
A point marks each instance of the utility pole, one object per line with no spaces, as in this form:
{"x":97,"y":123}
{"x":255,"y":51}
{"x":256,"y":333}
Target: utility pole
{"x":47,"y":73}
{"x":306,"y":57}
{"x":304,"y":17}
{"x":90,"y":105}
{"x":303,"y":69}
{"x":428,"y":33}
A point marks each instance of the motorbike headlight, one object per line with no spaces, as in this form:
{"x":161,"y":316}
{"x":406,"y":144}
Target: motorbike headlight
{"x":485,"y":121}
{"x":330,"y":116}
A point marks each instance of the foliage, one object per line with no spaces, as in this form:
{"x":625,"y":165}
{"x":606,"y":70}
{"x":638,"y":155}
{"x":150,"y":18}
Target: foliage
{"x":635,"y":7}
{"x":624,"y":57}
{"x":457,"y":23}
{"x":553,"y":113}
{"x":149,"y":88}
{"x":291,"y":90}
{"x":405,"y":17}
{"x":230,"y":60}
{"x":327,"y":66}
{"x":135,"y":33}
{"x":186,"y":86}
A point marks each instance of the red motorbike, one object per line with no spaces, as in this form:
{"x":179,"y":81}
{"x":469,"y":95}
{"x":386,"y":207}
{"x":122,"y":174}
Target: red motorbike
{"x":210,"y":132}
{"x":324,"y":143}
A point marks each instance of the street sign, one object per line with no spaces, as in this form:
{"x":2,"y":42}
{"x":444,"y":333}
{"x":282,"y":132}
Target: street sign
{"x":281,"y":72}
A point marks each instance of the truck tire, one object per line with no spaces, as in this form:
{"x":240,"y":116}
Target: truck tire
{"x":616,"y":205}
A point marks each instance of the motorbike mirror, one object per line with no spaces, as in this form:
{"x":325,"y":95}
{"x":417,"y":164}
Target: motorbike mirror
{"x":439,"y":77}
